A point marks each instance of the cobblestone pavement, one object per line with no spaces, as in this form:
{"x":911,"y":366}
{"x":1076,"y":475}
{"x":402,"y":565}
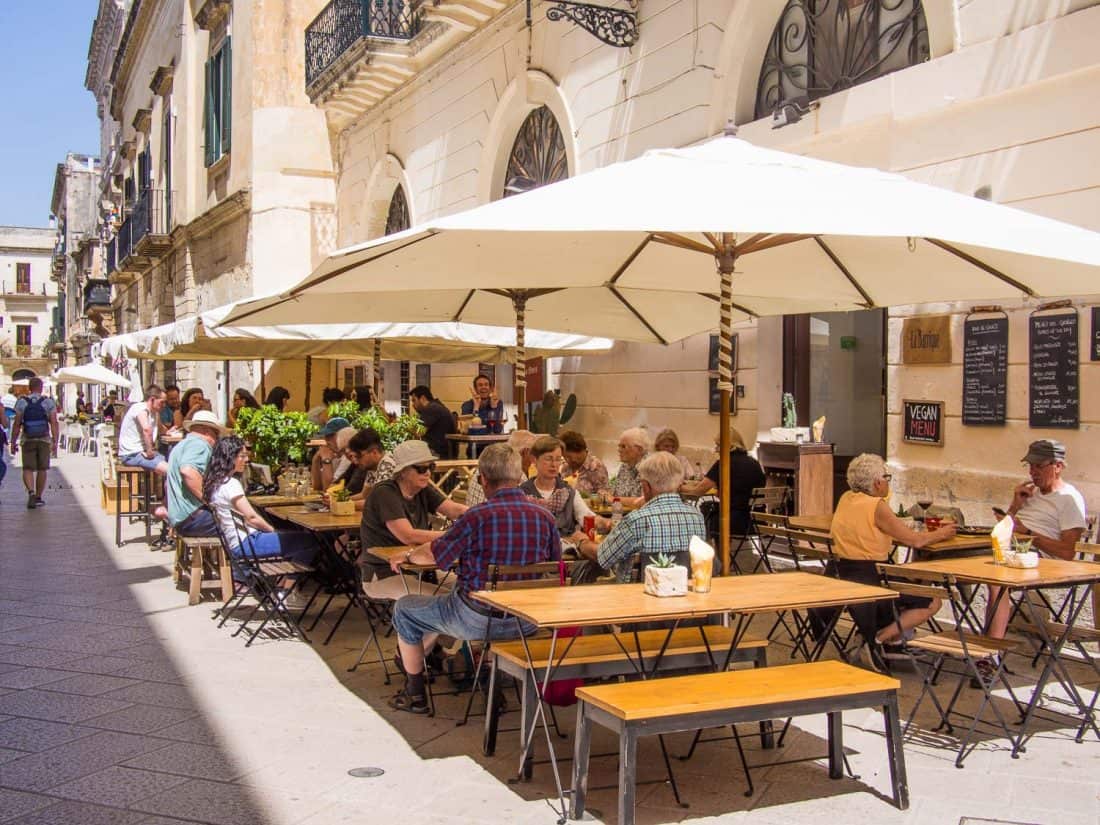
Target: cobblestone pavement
{"x":121,"y":704}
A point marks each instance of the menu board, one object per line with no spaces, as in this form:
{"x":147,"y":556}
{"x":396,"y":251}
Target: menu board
{"x":1094,"y":349}
{"x":923,"y":422}
{"x":985,"y":371}
{"x":1053,"y":376}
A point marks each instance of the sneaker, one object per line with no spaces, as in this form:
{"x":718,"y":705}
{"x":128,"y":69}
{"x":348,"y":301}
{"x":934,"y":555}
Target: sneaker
{"x":32,"y":501}
{"x":987,"y":668}
{"x":410,"y":704}
{"x":41,"y":502}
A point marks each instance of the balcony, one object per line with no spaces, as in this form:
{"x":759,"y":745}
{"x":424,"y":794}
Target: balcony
{"x":142,"y":239}
{"x":16,"y":289}
{"x":342,"y":32}
{"x":22,"y":352}
{"x":97,"y":296}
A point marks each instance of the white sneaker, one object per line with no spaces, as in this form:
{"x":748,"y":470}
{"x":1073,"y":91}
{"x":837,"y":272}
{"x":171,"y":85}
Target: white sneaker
{"x":294,"y":600}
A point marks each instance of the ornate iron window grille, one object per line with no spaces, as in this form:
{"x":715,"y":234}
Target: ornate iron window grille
{"x":343,"y":23}
{"x":615,"y":27}
{"x":538,"y":154}
{"x":823,"y":46}
{"x":397,"y":219}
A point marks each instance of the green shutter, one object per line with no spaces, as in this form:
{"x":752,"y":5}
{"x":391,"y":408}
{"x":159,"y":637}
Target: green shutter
{"x":208,"y":114}
{"x":226,"y":119}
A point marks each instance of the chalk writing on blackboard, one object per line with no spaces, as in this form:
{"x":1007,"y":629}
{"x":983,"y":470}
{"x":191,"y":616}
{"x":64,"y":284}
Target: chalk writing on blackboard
{"x":1053,"y":388}
{"x":985,"y":371}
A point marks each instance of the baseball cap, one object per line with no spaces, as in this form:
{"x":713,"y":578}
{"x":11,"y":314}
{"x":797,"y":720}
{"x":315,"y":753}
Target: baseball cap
{"x":333,"y":426}
{"x":1045,"y":449}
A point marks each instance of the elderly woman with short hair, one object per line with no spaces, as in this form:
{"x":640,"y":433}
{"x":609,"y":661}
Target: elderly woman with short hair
{"x":864,"y":530}
{"x":634,"y":445}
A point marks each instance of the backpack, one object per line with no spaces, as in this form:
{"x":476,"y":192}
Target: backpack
{"x":36,"y":423}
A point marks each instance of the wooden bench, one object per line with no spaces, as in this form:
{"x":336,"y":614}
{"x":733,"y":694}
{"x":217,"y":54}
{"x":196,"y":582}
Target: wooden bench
{"x":600,"y":656}
{"x":684,"y":703}
{"x":202,"y":562}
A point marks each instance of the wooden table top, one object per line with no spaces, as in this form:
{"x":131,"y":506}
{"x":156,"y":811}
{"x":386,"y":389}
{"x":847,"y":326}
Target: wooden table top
{"x":982,"y":570}
{"x":320,"y":522}
{"x":614,"y":603}
{"x":278,"y":500}
{"x":488,"y":438}
{"x":823,"y":523}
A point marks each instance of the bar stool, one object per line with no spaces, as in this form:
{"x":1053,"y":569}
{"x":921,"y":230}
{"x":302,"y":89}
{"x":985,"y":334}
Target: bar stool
{"x":202,"y":562}
{"x":139,"y":487}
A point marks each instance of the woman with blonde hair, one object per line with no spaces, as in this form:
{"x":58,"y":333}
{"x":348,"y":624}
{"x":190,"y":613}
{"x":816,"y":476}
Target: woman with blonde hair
{"x":746,"y":475}
{"x":668,"y":442}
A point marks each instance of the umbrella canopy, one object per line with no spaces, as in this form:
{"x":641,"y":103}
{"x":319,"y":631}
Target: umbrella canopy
{"x":90,"y":374}
{"x":659,"y":248}
{"x":204,"y":338}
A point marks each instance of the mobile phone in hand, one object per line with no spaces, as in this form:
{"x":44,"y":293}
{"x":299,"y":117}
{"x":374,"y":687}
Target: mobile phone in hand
{"x":999,"y":513}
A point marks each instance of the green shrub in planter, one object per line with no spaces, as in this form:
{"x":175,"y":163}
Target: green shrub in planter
{"x":392,"y":433}
{"x":276,"y":437}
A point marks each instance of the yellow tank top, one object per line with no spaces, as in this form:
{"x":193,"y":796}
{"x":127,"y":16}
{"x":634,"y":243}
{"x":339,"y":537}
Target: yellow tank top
{"x":854,"y":533}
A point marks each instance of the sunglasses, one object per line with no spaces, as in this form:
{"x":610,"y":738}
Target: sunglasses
{"x":423,"y":469}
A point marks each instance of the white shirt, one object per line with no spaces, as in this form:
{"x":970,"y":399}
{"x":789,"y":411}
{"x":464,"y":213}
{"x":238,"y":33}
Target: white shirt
{"x":222,"y":502}
{"x":1048,"y":515}
{"x":129,"y":434}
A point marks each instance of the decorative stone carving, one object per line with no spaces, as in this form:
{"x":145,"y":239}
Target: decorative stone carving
{"x":143,"y":120}
{"x":161,"y":84}
{"x":209,"y":13}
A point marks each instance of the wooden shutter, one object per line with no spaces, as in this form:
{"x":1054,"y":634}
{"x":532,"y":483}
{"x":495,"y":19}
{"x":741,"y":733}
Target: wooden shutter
{"x":226,"y":119}
{"x":208,"y":114}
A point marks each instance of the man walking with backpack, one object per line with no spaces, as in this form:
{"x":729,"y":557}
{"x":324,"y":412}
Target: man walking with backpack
{"x":35,"y":429}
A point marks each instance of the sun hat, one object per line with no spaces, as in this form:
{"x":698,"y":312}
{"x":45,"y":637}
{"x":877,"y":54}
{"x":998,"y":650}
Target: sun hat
{"x":333,"y":426}
{"x":1046,"y":449}
{"x":205,"y":418}
{"x":410,"y":453}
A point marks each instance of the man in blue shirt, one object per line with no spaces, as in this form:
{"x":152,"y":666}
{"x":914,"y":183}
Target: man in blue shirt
{"x":186,"y":466}
{"x":36,"y":430}
{"x":485,"y":404}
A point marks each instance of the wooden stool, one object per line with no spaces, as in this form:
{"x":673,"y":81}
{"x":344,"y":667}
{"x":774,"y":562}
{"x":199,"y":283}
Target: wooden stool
{"x":201,"y":560}
{"x":139,"y":486}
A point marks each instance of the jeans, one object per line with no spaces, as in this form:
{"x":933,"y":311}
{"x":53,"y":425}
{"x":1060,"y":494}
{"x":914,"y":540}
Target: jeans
{"x":200,"y":524}
{"x":296,"y":545}
{"x":139,"y":460}
{"x":415,"y":617}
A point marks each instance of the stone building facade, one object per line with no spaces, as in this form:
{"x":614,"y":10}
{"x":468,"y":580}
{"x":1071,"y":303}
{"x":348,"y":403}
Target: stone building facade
{"x":28,"y":302}
{"x":980,"y":96}
{"x":217,"y":178}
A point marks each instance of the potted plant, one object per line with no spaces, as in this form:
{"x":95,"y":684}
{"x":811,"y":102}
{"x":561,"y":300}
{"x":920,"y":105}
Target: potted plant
{"x":340,"y":503}
{"x":392,"y":432}
{"x":275,"y":437}
{"x":663,"y":577}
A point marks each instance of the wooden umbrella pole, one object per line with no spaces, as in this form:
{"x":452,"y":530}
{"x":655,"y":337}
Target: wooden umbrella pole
{"x":263,"y":380}
{"x":519,"y":301}
{"x":725,"y":256}
{"x":309,"y":378}
{"x":228,"y":388}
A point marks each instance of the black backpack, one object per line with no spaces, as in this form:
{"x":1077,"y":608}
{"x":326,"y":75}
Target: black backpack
{"x":36,"y":423}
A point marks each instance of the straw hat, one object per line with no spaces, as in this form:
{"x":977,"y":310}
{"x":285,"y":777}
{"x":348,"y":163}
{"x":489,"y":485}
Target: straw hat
{"x":205,"y":418}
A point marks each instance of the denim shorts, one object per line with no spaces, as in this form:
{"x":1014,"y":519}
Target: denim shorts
{"x":139,"y":460}
{"x":415,"y":617}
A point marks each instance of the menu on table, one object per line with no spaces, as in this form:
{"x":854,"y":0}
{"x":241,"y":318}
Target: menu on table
{"x":1053,"y":380}
{"x":985,"y":371}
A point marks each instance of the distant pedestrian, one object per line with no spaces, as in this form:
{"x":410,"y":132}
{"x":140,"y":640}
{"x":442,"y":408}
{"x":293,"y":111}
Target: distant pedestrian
{"x":3,"y":451}
{"x":36,"y":431}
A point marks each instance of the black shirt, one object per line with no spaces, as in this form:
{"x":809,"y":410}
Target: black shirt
{"x":438,"y":422}
{"x":386,"y":503}
{"x":745,"y":475}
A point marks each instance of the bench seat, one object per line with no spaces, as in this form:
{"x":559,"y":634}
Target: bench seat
{"x":685,"y":703}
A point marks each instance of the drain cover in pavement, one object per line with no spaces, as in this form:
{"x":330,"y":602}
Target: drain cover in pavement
{"x":371,"y":773}
{"x":971,"y":820}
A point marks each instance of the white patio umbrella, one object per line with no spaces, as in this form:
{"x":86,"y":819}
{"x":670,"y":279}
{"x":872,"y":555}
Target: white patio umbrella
{"x":90,"y":374}
{"x":644,"y":250}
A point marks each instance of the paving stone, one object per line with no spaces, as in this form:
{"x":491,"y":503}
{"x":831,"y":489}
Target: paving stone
{"x":31,"y":657}
{"x":151,"y":672}
{"x":90,"y":684}
{"x":196,"y":730}
{"x":33,"y":735}
{"x":106,"y":665}
{"x":78,"y":813}
{"x":206,"y":801}
{"x":8,"y":754}
{"x":117,"y":786}
{"x":141,"y":719}
{"x":14,"y":804}
{"x":10,"y":622}
{"x":189,"y":759}
{"x":156,"y":693}
{"x":41,"y":771}
{"x":58,"y":707}
{"x":28,"y":677}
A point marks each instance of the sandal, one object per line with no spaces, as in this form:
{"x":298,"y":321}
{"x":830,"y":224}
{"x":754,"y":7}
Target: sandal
{"x":410,"y":704}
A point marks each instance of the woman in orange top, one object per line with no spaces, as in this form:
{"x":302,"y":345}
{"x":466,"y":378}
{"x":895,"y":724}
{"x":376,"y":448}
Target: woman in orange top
{"x":864,"y":529}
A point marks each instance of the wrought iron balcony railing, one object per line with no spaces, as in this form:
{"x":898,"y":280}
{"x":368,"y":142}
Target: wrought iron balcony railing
{"x":342,"y":24}
{"x":148,"y":217}
{"x":21,"y":288}
{"x":112,"y":257}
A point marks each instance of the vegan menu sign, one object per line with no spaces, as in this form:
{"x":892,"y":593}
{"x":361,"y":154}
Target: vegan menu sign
{"x":1053,"y":380}
{"x":985,"y":371}
{"x":923,"y":422}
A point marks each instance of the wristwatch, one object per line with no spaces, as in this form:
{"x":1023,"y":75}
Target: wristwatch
{"x":408,"y":556}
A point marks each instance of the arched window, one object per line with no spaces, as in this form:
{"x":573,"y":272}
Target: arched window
{"x":538,"y":154}
{"x":823,"y":46}
{"x":397,"y":219}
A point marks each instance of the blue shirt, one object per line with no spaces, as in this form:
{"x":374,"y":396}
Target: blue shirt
{"x":193,"y":451}
{"x":664,"y":524}
{"x":492,"y":417}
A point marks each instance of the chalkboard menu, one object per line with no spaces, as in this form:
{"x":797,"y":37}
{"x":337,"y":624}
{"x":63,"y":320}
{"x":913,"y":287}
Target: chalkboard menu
{"x":923,"y":422}
{"x":1094,"y":354}
{"x":985,"y":371}
{"x":1053,"y":376}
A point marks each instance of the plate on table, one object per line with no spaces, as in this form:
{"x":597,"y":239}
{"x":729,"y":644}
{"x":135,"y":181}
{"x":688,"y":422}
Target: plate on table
{"x":974,"y":530}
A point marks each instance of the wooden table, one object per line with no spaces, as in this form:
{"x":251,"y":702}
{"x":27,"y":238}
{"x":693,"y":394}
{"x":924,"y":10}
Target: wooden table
{"x":474,"y":442}
{"x":947,"y":547}
{"x":1051,"y":573}
{"x":316,"y":521}
{"x":279,"y":500}
{"x":613,"y":604}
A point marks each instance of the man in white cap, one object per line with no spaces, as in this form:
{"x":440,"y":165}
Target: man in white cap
{"x":186,"y":466}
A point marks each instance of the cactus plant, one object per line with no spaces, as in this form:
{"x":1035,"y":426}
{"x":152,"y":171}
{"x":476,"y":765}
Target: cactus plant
{"x":790,"y":416}
{"x":662,"y":560}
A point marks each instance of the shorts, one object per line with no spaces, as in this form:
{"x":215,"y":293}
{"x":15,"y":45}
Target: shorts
{"x":415,"y":617}
{"x":139,"y":460}
{"x":36,"y":455}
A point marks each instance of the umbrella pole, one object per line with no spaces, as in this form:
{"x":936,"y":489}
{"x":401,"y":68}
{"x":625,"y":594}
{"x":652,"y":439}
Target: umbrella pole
{"x":309,"y":377}
{"x":725,"y":256}
{"x":228,"y":389}
{"x":376,"y":367}
{"x":519,"y":302}
{"x":263,"y":380}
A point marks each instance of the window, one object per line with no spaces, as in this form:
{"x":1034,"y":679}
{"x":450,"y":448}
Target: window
{"x":397,"y":219}
{"x":404,"y":387}
{"x":23,"y":278}
{"x":218,"y":103}
{"x":823,"y":46}
{"x":538,"y":155}
{"x":23,"y":340}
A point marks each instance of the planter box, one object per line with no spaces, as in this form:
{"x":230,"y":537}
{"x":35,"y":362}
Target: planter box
{"x":666,"y":581}
{"x":342,"y":508}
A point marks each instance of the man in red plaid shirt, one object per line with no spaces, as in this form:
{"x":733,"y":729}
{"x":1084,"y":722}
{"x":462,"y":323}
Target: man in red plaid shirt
{"x":508,"y":529}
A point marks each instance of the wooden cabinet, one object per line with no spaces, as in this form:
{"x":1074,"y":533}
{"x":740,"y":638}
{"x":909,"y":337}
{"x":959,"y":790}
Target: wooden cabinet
{"x":807,"y":468}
